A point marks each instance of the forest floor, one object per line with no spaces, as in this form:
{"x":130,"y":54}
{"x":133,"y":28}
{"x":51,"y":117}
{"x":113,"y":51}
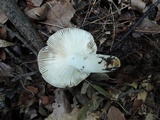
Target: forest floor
{"x":128,"y":29}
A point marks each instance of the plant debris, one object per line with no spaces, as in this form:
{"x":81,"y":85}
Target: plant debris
{"x":128,"y":29}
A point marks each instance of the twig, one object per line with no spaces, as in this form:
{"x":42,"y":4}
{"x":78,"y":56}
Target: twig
{"x":23,"y":25}
{"x":89,"y":11}
{"x":19,"y":37}
{"x":129,"y":91}
{"x":24,"y":75}
{"x":136,"y":23}
{"x":114,"y":29}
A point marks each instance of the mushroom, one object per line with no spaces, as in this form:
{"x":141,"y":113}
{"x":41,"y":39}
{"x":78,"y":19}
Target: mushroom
{"x":70,"y":56}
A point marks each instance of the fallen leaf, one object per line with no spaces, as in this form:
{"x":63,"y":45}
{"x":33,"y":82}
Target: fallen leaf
{"x":37,"y":2}
{"x":2,"y":54}
{"x":4,"y":43}
{"x":136,"y":104}
{"x":42,"y":111}
{"x":143,"y":110}
{"x":93,"y":116}
{"x":3,"y":33}
{"x":102,"y":40}
{"x":96,"y":102}
{"x":46,"y":100}
{"x":90,"y":105}
{"x":38,"y":13}
{"x":3,"y":17}
{"x":138,"y":5}
{"x":150,"y":116}
{"x":61,"y":105}
{"x":32,"y":113}
{"x":148,"y":86}
{"x":59,"y":15}
{"x":115,"y":114}
{"x":5,"y":70}
{"x":126,"y":16}
{"x":142,"y":96}
{"x":102,"y":91}
{"x":84,"y":88}
{"x":26,"y":99}
{"x":148,"y":26}
{"x":134,"y":84}
{"x":33,"y":89}
{"x":2,"y":101}
{"x":73,"y":115}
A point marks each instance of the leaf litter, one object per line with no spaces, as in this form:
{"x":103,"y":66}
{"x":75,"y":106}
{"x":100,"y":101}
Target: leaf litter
{"x":131,"y":92}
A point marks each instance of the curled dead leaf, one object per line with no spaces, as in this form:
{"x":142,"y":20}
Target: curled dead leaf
{"x":3,"y":17}
{"x":3,"y":33}
{"x":59,"y":15}
{"x":38,"y":13}
{"x":61,"y":105}
{"x":5,"y":70}
{"x":33,"y":89}
{"x":115,"y":114}
{"x":37,"y":2}
{"x":46,"y":100}
{"x":138,"y":5}
{"x":142,"y":96}
{"x":4,"y":43}
{"x":148,"y":26}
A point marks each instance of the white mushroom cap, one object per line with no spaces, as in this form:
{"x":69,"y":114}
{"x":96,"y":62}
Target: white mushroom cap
{"x":71,"y":56}
{"x":52,"y":59}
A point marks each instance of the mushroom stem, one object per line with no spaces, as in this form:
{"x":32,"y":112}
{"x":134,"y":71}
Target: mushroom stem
{"x":94,"y":63}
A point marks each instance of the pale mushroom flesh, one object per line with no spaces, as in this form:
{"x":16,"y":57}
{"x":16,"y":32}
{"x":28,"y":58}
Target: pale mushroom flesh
{"x":70,"y":56}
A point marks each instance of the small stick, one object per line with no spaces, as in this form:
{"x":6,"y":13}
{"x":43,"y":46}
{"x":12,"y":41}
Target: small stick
{"x":21,"y":22}
{"x":24,"y":75}
{"x":19,"y":37}
{"x":136,"y":23}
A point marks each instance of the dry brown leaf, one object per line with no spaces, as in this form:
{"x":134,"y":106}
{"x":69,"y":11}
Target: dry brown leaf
{"x":148,"y":26}
{"x":115,"y":114}
{"x":148,"y":86}
{"x":2,"y":54}
{"x":73,"y":115}
{"x":4,"y":43}
{"x":46,"y":100}
{"x":61,"y":105}
{"x":26,"y":98}
{"x":135,"y":85}
{"x":142,"y":96}
{"x":5,"y":70}
{"x":136,"y":104}
{"x":150,"y":116}
{"x":32,"y":113}
{"x":3,"y":17}
{"x":143,"y":110}
{"x":59,"y":15}
{"x":3,"y":33}
{"x":37,"y":2}
{"x":38,"y":13}
{"x":84,"y":88}
{"x":138,"y":5}
{"x":102,"y":40}
{"x":70,"y":116}
{"x":33,"y":89}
